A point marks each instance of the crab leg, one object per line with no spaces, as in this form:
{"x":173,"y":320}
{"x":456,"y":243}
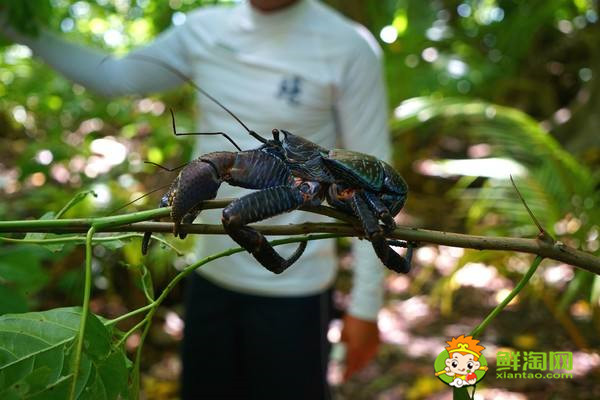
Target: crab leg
{"x":382,"y":211}
{"x":374,"y":232}
{"x":258,"y":206}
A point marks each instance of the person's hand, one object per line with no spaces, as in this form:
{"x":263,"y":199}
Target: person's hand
{"x":362,"y":340}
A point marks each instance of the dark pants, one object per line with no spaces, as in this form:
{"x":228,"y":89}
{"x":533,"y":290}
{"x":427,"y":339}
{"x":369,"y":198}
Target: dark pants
{"x":239,"y":346}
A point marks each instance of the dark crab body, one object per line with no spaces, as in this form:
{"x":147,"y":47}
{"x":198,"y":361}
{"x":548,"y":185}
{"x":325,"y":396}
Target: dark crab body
{"x":288,"y":174}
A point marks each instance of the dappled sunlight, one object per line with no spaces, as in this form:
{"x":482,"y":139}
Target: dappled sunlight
{"x":413,"y":311}
{"x":37,"y":179}
{"x":422,"y":346}
{"x":103,"y":194}
{"x":149,"y":105}
{"x":426,"y":254}
{"x":558,"y":275}
{"x":568,"y":225}
{"x":173,"y":325}
{"x":106,"y":153}
{"x":392,"y":329}
{"x":15,"y":53}
{"x":585,"y":363}
{"x":447,"y":259}
{"x":581,"y":310}
{"x":501,"y":294}
{"x":44,"y":157}
{"x":397,"y":318}
{"x":111,"y":150}
{"x":499,"y":168}
{"x":60,"y":173}
{"x":335,"y":373}
{"x":388,"y":34}
{"x":133,"y":342}
{"x":334,"y":334}
{"x":409,"y":107}
{"x":397,"y":284}
{"x":480,"y":276}
{"x":454,"y":329}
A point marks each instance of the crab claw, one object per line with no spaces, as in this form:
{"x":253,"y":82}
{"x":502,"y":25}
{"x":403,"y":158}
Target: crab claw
{"x":197,"y":182}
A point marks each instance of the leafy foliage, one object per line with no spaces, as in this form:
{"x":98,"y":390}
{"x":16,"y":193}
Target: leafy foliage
{"x":562,"y":192}
{"x":35,"y":362}
{"x":27,"y":16}
{"x":554,"y":185}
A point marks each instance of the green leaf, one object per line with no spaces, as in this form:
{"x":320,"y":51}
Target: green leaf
{"x":36,"y":351}
{"x":78,"y":198}
{"x":58,"y":390}
{"x":40,"y":236}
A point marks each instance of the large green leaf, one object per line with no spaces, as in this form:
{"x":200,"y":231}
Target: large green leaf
{"x":36,"y":351}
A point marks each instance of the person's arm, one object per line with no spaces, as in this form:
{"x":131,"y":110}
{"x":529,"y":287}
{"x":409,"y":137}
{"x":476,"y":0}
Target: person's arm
{"x":362,"y":116}
{"x":105,"y":74}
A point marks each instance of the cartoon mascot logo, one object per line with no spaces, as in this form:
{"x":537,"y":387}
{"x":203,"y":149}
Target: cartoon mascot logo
{"x":461,"y":363}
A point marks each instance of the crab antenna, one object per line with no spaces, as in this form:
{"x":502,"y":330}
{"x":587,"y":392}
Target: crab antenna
{"x":138,"y":198}
{"x":165,"y":168}
{"x":201,"y":133}
{"x":185,"y":78}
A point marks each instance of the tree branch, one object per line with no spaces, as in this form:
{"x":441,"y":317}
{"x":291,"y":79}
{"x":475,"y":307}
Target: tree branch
{"x":132,"y":223}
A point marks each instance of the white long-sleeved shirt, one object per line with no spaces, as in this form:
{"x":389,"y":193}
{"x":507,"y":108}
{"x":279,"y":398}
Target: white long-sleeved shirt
{"x":305,"y":69}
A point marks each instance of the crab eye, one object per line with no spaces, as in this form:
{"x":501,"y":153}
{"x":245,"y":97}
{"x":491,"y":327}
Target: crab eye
{"x":454,"y":364}
{"x":470,"y":365}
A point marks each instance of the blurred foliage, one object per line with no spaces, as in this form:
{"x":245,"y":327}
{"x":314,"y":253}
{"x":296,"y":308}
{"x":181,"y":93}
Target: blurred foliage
{"x":469,"y":80}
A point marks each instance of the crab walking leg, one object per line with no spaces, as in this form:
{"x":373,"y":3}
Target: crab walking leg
{"x":410,"y":246}
{"x":382,"y":211}
{"x":258,"y":206}
{"x":386,"y":254}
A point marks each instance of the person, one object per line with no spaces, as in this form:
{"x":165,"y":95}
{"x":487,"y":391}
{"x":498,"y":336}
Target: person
{"x":291,"y":64}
